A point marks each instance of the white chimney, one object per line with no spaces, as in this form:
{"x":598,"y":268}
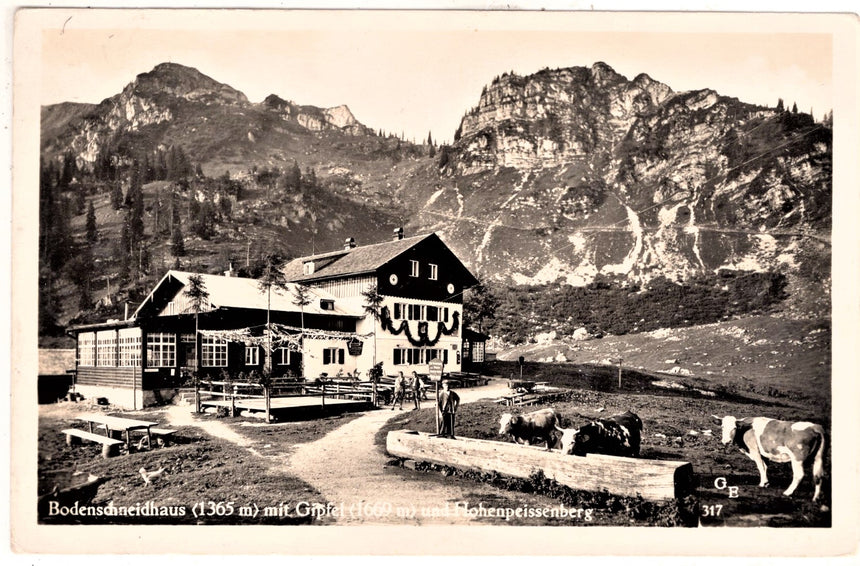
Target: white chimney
{"x":398,"y":233}
{"x":349,"y":243}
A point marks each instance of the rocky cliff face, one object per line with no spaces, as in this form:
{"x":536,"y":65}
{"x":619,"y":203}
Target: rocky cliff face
{"x":552,"y":117}
{"x":316,"y":119}
{"x":573,"y":173}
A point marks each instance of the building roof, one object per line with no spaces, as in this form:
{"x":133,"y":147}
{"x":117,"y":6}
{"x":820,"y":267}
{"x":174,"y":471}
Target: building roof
{"x":354,"y":261}
{"x":474,"y":335}
{"x":241,"y":292}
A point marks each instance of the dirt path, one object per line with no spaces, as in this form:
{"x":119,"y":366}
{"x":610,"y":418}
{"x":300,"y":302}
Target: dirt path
{"x":348,"y":469}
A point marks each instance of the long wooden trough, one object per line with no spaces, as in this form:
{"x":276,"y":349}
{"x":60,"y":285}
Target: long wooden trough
{"x":651,"y":479}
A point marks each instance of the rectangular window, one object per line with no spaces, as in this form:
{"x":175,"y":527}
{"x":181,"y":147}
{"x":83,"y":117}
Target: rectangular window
{"x":478,"y":352}
{"x":434,"y":271}
{"x":252,"y":355}
{"x":445,"y":314}
{"x":432,"y":313}
{"x":413,"y":268}
{"x":414,"y":312}
{"x":333,"y":356}
{"x":432,"y":354}
{"x":398,"y":356}
{"x":160,"y":350}
{"x":282,"y":357}
{"x":213,"y":352}
{"x":417,"y":356}
{"x":171,"y":307}
{"x":106,"y":349}
{"x":444,"y":356}
{"x":87,"y":349}
{"x":397,"y":311}
{"x":129,"y":347}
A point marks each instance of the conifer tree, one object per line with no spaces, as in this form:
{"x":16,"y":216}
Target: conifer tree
{"x":92,"y":231}
{"x":177,"y":245}
{"x":116,"y":195}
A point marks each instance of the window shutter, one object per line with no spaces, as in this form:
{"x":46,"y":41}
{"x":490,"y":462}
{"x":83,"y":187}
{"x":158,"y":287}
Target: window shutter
{"x":340,"y":356}
{"x":396,"y":311}
{"x":326,"y":356}
{"x":397,"y":356}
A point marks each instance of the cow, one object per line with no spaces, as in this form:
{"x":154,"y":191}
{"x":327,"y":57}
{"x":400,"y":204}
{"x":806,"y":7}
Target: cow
{"x":532,"y":428}
{"x":778,"y":441}
{"x":618,"y":435}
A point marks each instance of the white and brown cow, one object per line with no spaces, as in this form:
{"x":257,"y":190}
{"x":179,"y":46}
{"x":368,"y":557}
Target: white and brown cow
{"x":618,"y":435}
{"x":778,"y":441}
{"x":532,"y":428}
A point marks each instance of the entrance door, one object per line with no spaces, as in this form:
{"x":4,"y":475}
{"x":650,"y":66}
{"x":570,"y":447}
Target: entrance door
{"x":188,"y":356}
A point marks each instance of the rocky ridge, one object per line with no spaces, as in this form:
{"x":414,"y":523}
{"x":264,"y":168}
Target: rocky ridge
{"x":563,"y":175}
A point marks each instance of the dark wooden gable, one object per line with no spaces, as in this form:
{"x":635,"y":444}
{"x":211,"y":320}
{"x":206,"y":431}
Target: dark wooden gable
{"x":395,"y":277}
{"x":158,"y":299}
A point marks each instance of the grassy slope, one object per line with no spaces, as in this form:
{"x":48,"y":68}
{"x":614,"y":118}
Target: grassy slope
{"x":197,"y":468}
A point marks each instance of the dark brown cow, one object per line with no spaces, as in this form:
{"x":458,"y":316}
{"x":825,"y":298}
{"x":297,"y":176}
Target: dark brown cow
{"x":778,"y":441}
{"x":532,"y":428}
{"x":618,"y":435}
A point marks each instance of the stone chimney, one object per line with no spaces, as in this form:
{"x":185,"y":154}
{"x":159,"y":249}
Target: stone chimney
{"x":398,"y":233}
{"x":230,"y":272}
{"x":349,"y":243}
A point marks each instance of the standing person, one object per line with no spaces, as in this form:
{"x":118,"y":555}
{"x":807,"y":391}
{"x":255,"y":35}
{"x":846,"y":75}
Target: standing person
{"x":449,"y":401}
{"x":416,"y":390}
{"x":399,"y":391}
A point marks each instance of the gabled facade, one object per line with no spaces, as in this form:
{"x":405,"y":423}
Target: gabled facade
{"x":141,"y":361}
{"x":421,"y":282}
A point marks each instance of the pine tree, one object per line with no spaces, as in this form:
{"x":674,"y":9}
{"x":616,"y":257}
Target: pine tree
{"x":135,"y":221}
{"x":116,"y":195}
{"x":293,"y":178}
{"x":80,"y":200}
{"x":302,"y":298}
{"x":177,"y":245}
{"x":429,"y":139}
{"x":780,"y":106}
{"x":272,"y":276}
{"x":92,"y":231}
{"x":794,"y":108}
{"x":373,"y":308}
{"x":79,"y":271}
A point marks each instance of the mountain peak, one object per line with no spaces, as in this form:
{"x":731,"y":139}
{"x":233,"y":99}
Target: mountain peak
{"x":184,"y":82}
{"x":604,"y":74}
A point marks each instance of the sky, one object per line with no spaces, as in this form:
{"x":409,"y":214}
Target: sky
{"x":410,"y":74}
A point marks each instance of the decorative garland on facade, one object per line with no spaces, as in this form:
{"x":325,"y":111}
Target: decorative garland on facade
{"x":423,"y":329}
{"x":282,"y":336}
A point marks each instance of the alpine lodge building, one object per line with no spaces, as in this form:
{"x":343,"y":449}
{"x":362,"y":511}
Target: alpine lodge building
{"x":144,"y":360}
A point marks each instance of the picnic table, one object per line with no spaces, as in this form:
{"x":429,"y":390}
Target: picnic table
{"x":120,"y":424}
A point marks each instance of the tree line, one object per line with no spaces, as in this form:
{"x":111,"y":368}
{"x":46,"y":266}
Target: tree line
{"x":516,"y":313}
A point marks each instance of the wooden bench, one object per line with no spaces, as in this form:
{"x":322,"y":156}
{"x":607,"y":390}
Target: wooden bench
{"x":109,"y":445}
{"x":163,"y":433}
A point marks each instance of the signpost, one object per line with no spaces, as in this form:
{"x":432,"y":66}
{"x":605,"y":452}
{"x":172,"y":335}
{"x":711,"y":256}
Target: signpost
{"x":434,"y":368}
